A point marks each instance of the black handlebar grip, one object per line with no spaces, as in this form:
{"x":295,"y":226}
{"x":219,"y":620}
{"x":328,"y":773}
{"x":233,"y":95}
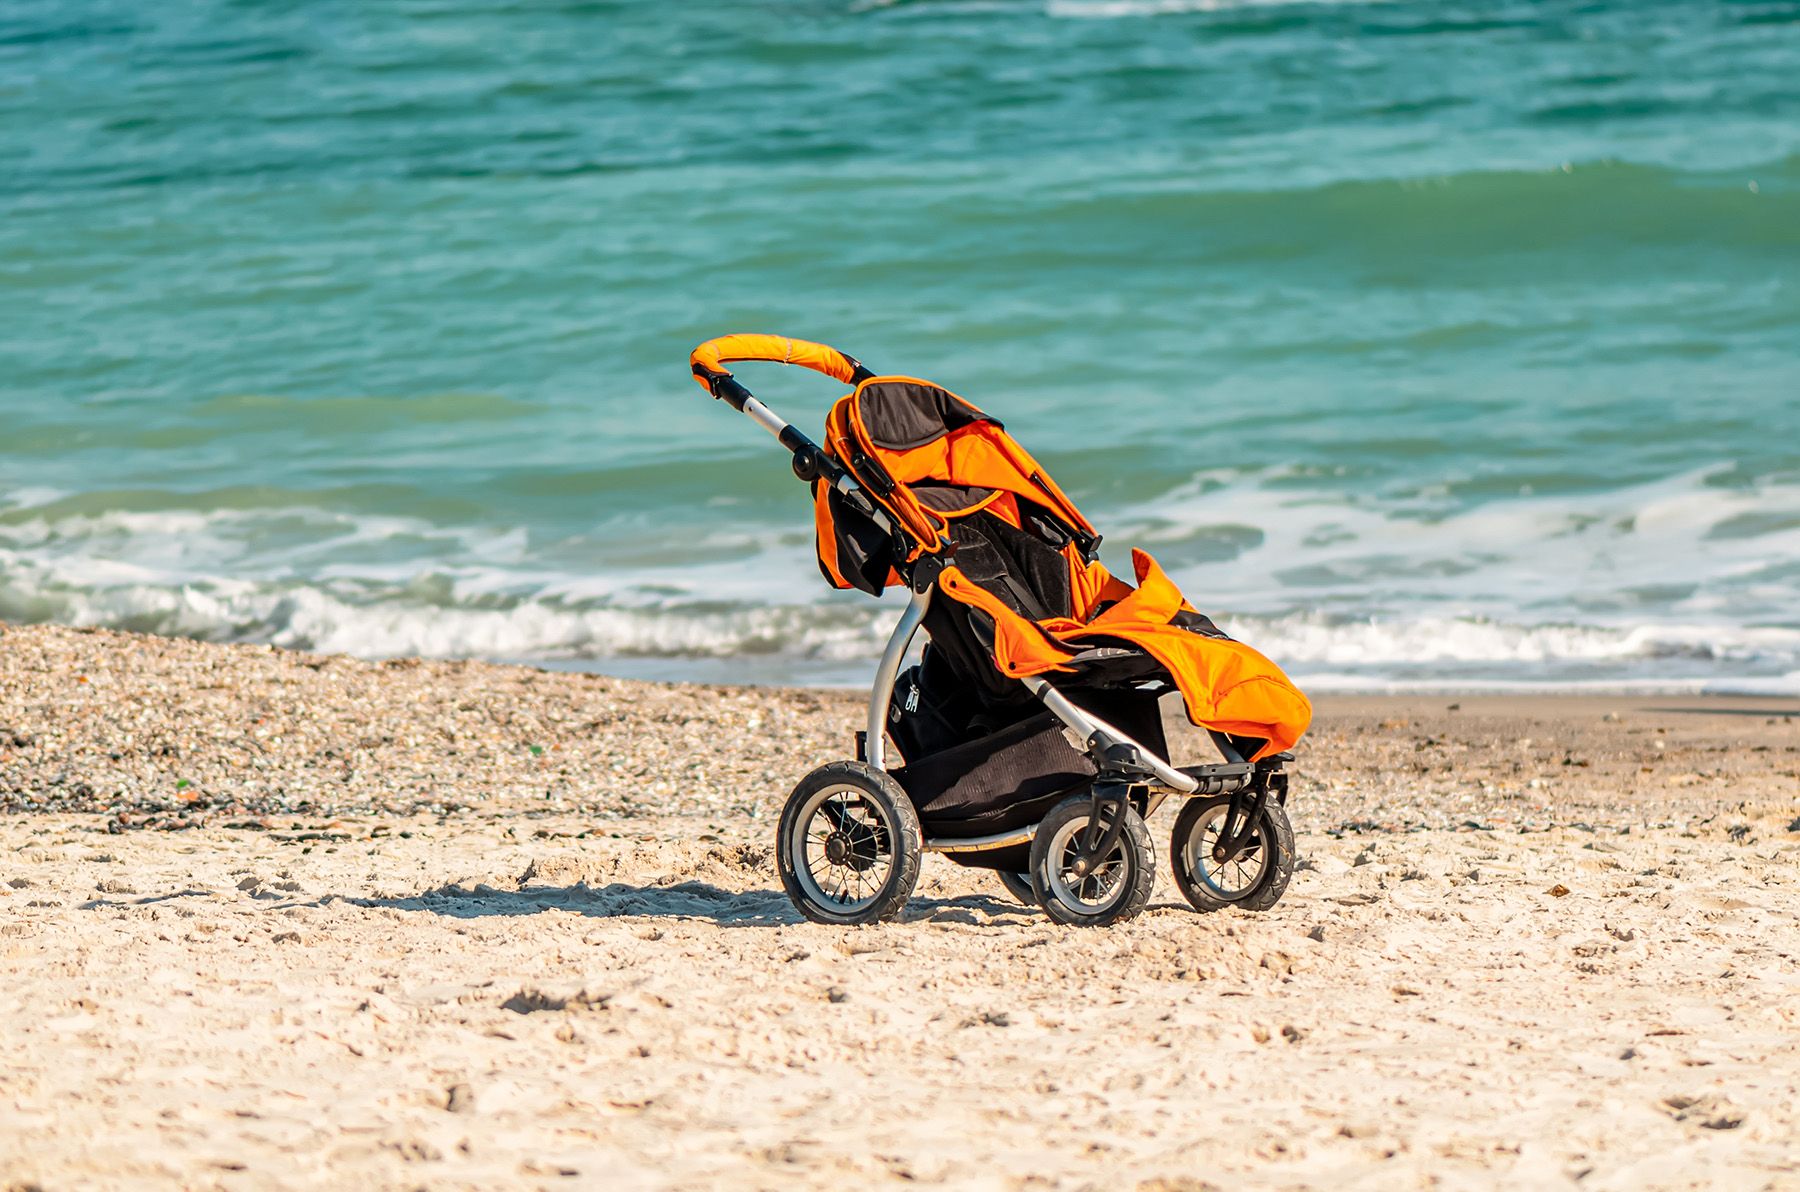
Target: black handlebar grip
{"x":724,"y":386}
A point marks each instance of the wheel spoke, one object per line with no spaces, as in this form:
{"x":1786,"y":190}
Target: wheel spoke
{"x":1097,"y":886}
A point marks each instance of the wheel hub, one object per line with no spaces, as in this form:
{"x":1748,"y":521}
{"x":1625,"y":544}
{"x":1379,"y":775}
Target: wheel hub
{"x":837,"y":848}
{"x":1222,"y":855}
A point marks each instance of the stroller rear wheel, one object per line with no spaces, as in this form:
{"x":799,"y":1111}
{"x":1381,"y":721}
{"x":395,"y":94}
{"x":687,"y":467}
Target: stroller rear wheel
{"x":1252,"y":876}
{"x":1080,"y":889}
{"x":849,"y":845}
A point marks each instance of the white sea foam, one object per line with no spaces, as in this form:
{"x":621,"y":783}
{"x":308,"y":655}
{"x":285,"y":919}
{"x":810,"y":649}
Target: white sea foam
{"x":1425,"y":652}
{"x":1677,"y":584}
{"x":384,"y":623}
{"x":378,"y":622}
{"x":1667,"y":550}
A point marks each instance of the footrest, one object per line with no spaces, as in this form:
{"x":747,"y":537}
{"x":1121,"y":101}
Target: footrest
{"x":1218,"y":770}
{"x":1220,"y":779}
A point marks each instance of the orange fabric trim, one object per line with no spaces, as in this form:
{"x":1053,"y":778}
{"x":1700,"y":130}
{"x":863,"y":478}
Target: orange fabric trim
{"x":1093,"y":585}
{"x":1006,"y":508}
{"x":714,"y":353}
{"x":825,"y":531}
{"x":1021,"y":647}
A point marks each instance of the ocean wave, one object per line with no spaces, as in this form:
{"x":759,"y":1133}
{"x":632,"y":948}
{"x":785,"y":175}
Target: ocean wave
{"x":1312,"y":640}
{"x":1685,"y":548}
{"x":393,"y":625}
{"x":1554,"y":588}
{"x":436,"y":621}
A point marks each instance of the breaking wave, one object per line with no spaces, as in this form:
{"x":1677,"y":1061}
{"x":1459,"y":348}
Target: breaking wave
{"x":835,"y":641}
{"x":1535,"y":590}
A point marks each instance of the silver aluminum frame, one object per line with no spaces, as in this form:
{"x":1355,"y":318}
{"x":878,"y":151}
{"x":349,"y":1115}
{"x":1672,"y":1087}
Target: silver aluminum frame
{"x":881,"y":695}
{"x":1087,"y":724}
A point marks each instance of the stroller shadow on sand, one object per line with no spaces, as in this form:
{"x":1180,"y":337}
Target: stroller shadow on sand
{"x":696,"y":900}
{"x":681,"y":900}
{"x":700,"y":901}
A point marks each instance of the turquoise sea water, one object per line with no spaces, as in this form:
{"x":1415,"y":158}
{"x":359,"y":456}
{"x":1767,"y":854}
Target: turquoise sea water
{"x":1425,"y":343}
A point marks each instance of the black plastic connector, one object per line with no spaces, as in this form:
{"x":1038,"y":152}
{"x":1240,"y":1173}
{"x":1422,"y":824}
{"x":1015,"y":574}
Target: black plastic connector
{"x":727,"y":390}
{"x":723,"y":386}
{"x":923,"y":571}
{"x":872,"y":475}
{"x":809,"y":463}
{"x":1117,"y":759}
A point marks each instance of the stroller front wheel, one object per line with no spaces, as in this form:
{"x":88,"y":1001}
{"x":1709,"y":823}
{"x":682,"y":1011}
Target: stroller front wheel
{"x":1252,"y":877}
{"x":849,"y":845}
{"x":1082,"y":890}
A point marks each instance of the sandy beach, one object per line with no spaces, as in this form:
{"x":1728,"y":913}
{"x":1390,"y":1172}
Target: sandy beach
{"x":270,"y":919}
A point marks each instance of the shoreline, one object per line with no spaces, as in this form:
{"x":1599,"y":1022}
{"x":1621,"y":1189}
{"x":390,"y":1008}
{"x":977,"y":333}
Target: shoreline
{"x":172,"y":732}
{"x":467,"y":925}
{"x":712,"y":671}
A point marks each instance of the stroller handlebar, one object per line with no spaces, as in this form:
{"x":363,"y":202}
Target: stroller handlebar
{"x":709,"y":359}
{"x":708,"y":364}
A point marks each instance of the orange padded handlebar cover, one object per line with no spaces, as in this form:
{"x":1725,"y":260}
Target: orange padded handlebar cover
{"x":710,"y":357}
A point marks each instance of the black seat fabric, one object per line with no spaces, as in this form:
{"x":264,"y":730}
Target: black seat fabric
{"x":1021,"y":569}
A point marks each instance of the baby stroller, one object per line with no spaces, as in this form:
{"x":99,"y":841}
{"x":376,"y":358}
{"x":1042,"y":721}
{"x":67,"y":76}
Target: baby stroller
{"x":1029,"y":735}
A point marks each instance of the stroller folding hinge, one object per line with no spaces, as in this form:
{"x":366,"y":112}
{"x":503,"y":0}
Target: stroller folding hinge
{"x":809,"y":462}
{"x":1118,"y":760}
{"x":924,"y":570}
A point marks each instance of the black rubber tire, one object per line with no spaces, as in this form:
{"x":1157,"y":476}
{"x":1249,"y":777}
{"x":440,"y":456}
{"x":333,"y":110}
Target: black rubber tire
{"x":1133,"y":848}
{"x":896,"y":813}
{"x":1277,"y":836}
{"x":1019,"y":886}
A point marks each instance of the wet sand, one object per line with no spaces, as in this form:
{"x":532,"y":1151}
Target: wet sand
{"x":270,"y":919}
